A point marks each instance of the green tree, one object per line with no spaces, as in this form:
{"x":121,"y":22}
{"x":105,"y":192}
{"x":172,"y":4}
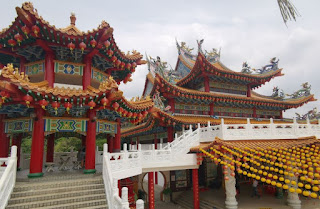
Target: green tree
{"x":65,"y":144}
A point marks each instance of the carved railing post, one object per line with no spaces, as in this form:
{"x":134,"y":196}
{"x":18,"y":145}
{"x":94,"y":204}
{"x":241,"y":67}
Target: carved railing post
{"x":139,"y":204}
{"x":230,"y":187}
{"x":293,"y":197}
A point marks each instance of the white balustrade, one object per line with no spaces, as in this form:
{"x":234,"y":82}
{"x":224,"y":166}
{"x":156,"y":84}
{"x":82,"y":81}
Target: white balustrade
{"x":8,"y":177}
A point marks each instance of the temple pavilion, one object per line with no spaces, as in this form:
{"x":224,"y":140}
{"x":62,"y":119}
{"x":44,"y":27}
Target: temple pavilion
{"x":63,"y":81}
{"x":200,"y":93}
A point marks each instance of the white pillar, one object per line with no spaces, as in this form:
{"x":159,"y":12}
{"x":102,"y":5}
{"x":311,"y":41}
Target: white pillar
{"x":140,"y":204}
{"x":230,"y":186}
{"x":293,"y":197}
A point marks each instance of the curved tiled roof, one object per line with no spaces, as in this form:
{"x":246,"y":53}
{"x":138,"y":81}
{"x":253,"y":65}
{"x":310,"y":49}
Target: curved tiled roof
{"x":218,"y":69}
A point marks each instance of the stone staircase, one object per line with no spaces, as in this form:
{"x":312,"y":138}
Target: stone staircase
{"x":186,"y":201}
{"x":63,"y":191}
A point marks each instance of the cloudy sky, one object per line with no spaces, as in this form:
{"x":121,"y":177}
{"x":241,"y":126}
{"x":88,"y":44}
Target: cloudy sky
{"x":246,"y":30}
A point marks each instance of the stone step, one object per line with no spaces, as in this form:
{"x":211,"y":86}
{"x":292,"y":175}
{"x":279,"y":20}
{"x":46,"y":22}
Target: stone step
{"x":56,"y":190}
{"x":55,"y":184}
{"x":186,"y":200}
{"x":63,"y":201}
{"x":60,"y":176}
{"x":95,"y":204}
{"x":45,"y":196}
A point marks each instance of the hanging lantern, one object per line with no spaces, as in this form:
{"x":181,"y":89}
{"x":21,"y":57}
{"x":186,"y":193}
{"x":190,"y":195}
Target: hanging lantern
{"x":106,"y":43}
{"x":110,"y":52}
{"x":120,"y":110}
{"x":82,"y":46}
{"x":140,"y":115}
{"x":118,"y":63}
{"x":91,"y":104}
{"x":43,"y":103}
{"x":135,"y":115}
{"x":12,"y":42}
{"x":129,"y":115}
{"x":114,"y":59}
{"x":115,"y":105}
{"x":93,"y":43}
{"x":125,"y":112}
{"x":104,"y":101}
{"x":19,"y":38}
{"x":68,"y":106}
{"x":71,"y":46}
{"x":28,"y":99}
{"x":25,"y":30}
{"x":128,"y":66}
{"x":122,"y":64}
{"x":55,"y":106}
{"x":35,"y":29}
{"x":4,"y":95}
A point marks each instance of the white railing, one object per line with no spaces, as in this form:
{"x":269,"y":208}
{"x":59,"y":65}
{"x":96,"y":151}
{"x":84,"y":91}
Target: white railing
{"x":8,"y":177}
{"x":111,"y":186}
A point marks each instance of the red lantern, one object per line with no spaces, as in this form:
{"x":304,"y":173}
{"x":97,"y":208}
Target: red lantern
{"x":120,"y":110}
{"x":92,"y":104}
{"x":140,"y":115}
{"x":71,"y":46}
{"x":28,"y":99}
{"x":129,"y":115}
{"x":134,"y":64}
{"x":68,"y":106}
{"x":135,"y":115}
{"x":19,"y":38}
{"x":93,"y":43}
{"x":106,"y":44}
{"x":128,"y":66}
{"x":122,"y":64}
{"x":125,"y":112}
{"x":104,"y":101}
{"x":35,"y":29}
{"x":4,"y":95}
{"x":226,"y":178}
{"x":12,"y":42}
{"x":43,"y":103}
{"x":55,"y":106}
{"x":233,"y":174}
{"x":110,"y":53}
{"x":82,"y":46}
{"x":114,"y":59}
{"x":25,"y":30}
{"x":115,"y":105}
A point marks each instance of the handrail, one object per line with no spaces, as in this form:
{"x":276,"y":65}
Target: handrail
{"x":8,"y":178}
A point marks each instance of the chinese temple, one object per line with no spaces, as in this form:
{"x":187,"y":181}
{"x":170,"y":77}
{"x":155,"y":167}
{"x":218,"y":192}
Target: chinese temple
{"x":202,"y":95}
{"x":63,"y":81}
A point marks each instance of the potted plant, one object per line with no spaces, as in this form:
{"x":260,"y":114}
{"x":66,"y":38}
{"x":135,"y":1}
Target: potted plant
{"x":167,"y":194}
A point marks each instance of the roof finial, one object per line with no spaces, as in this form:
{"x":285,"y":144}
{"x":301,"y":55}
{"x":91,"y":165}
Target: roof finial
{"x":73,"y":18}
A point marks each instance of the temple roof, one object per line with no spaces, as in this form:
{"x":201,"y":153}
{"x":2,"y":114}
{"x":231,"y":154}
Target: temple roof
{"x":160,"y":84}
{"x":257,"y":144}
{"x":30,"y":33}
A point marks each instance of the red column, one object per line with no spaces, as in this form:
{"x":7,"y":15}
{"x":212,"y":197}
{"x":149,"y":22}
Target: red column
{"x":110,"y":143}
{"x":151,"y":190}
{"x":248,"y":90}
{"x":254,"y":115}
{"x":206,"y":84}
{"x":117,"y":138}
{"x":281,"y":115}
{"x":195,"y":182}
{"x":86,"y":78}
{"x":211,"y":109}
{"x":50,"y":148}
{"x":49,"y":68}
{"x":156,"y":147}
{"x":36,"y":161}
{"x":171,"y":103}
{"x":91,"y":143}
{"x":3,"y":138}
{"x":129,"y":184}
{"x":138,"y":141}
{"x":16,"y":140}
{"x":83,"y":140}
{"x":170,"y":133}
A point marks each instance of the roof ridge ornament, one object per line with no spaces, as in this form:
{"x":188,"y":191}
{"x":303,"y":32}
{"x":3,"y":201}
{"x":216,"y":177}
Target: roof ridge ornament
{"x":73,"y":19}
{"x":273,"y":66}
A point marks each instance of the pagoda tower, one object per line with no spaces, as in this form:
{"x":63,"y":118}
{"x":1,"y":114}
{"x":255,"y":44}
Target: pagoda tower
{"x":63,"y":81}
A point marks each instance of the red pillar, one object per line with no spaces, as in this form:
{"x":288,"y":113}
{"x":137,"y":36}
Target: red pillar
{"x":83,"y":140}
{"x":50,"y":148}
{"x":195,"y":182}
{"x":171,"y":103}
{"x":138,"y":141}
{"x":281,"y":115}
{"x":156,"y":147}
{"x":91,"y":143}
{"x":254,"y":115}
{"x":151,"y":190}
{"x":211,"y":109}
{"x":129,"y":184}
{"x":206,"y":84}
{"x":49,"y":68}
{"x":110,"y":143}
{"x":170,"y":133}
{"x":117,"y":138}
{"x":86,"y":78}
{"x":36,"y":161}
{"x":16,"y":140}
{"x":248,"y":90}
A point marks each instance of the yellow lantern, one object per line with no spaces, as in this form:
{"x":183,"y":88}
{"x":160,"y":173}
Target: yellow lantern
{"x":300,"y":184}
{"x":293,"y":182}
{"x":313,"y":195}
{"x":315,"y":189}
{"x":268,"y":181}
{"x":281,"y":179}
{"x":287,"y":181}
{"x":299,"y":191}
{"x":306,"y":193}
{"x":263,"y":179}
{"x":285,"y":186}
{"x":292,"y":190}
{"x":307,"y":186}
